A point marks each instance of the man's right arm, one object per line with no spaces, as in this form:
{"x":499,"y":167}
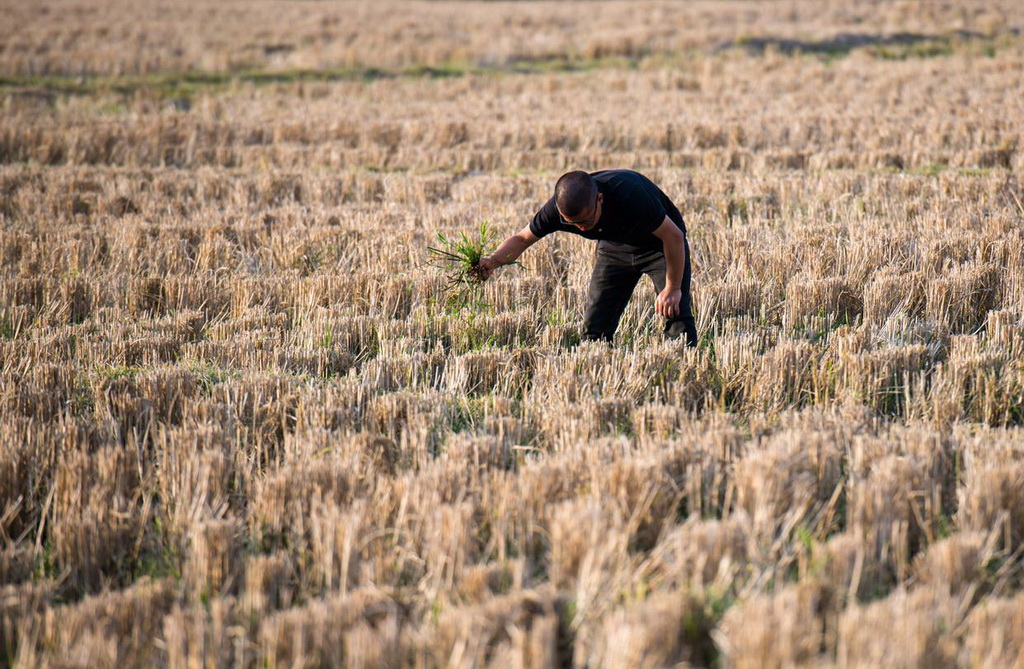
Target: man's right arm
{"x":508,"y":251}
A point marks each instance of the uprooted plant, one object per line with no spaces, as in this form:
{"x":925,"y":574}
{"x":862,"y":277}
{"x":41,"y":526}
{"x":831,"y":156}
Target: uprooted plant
{"x":459,"y":259}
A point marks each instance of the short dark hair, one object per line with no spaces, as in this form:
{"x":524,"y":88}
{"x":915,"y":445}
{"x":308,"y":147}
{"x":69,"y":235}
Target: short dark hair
{"x":575,"y":192}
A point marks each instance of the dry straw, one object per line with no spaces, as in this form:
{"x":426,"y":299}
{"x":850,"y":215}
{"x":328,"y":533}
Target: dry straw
{"x":237,"y":426}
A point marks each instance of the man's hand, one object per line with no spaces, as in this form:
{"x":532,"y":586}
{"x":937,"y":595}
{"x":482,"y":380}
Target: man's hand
{"x":507,"y":252}
{"x":673,"y":242}
{"x":667,"y":304}
{"x":487,"y":266}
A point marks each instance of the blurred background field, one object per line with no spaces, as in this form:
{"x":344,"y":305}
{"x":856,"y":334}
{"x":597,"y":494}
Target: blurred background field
{"x":240,"y":426}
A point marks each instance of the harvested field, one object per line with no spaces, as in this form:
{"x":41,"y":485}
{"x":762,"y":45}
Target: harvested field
{"x":240,"y":426}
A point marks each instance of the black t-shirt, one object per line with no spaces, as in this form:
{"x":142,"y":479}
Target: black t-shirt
{"x":633,"y":209}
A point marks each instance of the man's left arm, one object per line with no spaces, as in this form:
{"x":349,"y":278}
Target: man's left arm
{"x":671,"y":237}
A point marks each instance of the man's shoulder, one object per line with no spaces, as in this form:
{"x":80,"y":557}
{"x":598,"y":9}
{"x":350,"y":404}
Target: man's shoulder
{"x":623,"y":183}
{"x":618,"y":175}
{"x":546,"y":220}
{"x":622,"y":178}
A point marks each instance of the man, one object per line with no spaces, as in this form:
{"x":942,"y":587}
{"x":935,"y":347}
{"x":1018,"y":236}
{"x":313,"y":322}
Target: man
{"x":638,"y":231}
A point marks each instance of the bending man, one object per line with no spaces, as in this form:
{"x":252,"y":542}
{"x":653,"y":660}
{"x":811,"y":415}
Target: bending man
{"x":638,"y":231}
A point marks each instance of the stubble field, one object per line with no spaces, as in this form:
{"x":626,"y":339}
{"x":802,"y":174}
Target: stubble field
{"x":241,"y":425}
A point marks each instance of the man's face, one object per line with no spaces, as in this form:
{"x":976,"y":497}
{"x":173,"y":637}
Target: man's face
{"x":587,"y":219}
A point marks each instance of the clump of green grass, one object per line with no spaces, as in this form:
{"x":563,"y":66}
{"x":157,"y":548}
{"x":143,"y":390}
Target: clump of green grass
{"x":459,"y":258}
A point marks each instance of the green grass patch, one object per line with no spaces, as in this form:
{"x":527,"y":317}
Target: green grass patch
{"x":182,"y":87}
{"x":115,"y":372}
{"x":208,"y":374}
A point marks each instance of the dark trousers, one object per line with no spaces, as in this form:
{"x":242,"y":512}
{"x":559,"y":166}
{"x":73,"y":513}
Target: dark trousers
{"x":617,"y":270}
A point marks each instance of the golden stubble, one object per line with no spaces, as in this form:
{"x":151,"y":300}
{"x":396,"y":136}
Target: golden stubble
{"x":238,"y":428}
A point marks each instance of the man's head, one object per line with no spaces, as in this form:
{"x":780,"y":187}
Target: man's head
{"x":578,"y":200}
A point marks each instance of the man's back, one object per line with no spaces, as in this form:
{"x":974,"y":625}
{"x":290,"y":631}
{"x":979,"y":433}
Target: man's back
{"x":633,"y":208}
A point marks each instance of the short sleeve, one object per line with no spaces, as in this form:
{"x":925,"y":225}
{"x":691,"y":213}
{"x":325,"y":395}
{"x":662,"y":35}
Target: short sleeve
{"x":648,"y":212}
{"x":546,"y":220}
